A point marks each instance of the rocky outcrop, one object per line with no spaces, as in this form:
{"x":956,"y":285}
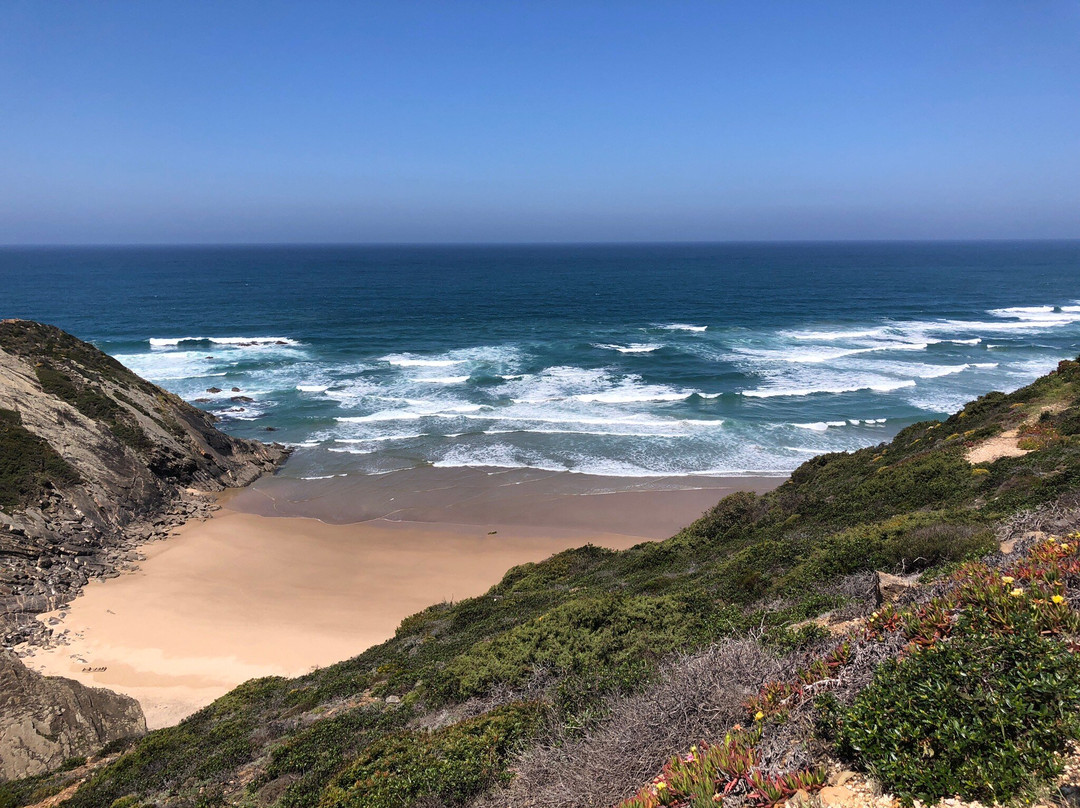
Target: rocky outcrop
{"x":46,"y":720}
{"x":893,"y":588}
{"x":93,"y":460}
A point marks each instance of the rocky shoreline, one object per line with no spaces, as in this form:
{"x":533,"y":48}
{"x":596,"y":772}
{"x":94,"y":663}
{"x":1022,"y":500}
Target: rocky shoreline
{"x":94,"y":461}
{"x":57,"y":576}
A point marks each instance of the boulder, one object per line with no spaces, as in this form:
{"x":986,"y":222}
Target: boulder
{"x":891,"y":588}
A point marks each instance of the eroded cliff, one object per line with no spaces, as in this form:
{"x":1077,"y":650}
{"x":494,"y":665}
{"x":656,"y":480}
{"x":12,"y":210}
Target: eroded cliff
{"x":93,"y":459}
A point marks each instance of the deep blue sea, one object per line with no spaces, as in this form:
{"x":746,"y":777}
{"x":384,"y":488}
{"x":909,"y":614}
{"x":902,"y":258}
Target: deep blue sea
{"x":634,"y":360}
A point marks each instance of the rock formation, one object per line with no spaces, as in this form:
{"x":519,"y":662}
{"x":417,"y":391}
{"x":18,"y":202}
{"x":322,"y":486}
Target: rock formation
{"x":46,"y":720}
{"x":93,"y":460}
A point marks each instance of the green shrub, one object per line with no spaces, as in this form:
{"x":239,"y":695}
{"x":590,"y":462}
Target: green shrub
{"x":314,"y":755}
{"x":452,"y":764}
{"x":609,"y":631}
{"x":28,"y":464}
{"x":980,"y":716}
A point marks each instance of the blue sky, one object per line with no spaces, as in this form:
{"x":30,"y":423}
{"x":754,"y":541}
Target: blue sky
{"x":408,"y":121}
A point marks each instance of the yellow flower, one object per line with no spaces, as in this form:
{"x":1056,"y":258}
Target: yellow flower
{"x":661,"y":786}
{"x":1017,"y":592}
{"x":693,"y":749}
{"x":1065,"y":547}
{"x":1007,"y":579}
{"x":874,"y":616}
{"x":1058,"y":599}
{"x":760,"y":715}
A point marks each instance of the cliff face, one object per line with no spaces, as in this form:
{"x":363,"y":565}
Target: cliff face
{"x":92,"y":460}
{"x":46,"y":720}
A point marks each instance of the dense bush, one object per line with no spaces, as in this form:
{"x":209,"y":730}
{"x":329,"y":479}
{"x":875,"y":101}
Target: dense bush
{"x":309,"y":759}
{"x":451,"y":764}
{"x":979,"y":716}
{"x":586,"y":633}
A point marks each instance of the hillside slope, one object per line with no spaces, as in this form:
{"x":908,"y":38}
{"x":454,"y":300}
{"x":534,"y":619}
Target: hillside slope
{"x":93,"y":458}
{"x":514,"y":698}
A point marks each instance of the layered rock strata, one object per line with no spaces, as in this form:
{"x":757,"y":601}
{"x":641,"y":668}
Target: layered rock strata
{"x":45,"y":720}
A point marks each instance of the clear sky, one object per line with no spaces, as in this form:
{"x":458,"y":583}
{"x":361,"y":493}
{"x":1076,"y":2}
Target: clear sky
{"x":410,"y":121}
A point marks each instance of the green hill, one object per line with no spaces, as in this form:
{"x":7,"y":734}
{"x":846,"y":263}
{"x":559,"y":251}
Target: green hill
{"x":573,"y":680}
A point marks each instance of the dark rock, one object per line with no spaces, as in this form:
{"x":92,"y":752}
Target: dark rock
{"x":213,"y":389}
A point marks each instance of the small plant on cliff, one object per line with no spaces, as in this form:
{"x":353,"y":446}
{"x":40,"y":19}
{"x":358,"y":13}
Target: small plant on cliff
{"x":988,"y":697}
{"x":980,"y":716}
{"x":709,"y":772}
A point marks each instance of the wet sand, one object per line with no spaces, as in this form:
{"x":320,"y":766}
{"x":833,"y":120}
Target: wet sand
{"x":292,"y":574}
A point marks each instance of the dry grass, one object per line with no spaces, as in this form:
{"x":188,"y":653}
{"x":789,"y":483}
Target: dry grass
{"x":696,"y":696}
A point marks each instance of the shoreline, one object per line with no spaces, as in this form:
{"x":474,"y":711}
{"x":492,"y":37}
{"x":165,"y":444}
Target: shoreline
{"x":291,"y":574}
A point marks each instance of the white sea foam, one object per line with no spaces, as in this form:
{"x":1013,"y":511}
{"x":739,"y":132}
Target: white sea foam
{"x":384,"y":415}
{"x":632,"y":393}
{"x":313,"y":388}
{"x":821,"y":426}
{"x":241,"y":413}
{"x":241,"y":342}
{"x":380,"y":438}
{"x":937,"y":371}
{"x":837,"y":335}
{"x":409,"y":361}
{"x":682,"y":327}
{"x":877,"y":387}
{"x":598,"y":432}
{"x":444,"y":380}
{"x":633,"y":348}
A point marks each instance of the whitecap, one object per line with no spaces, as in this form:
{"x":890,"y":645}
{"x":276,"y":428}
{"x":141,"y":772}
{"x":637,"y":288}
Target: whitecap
{"x":633,"y":348}
{"x":408,"y":361}
{"x":878,"y":387}
{"x":313,"y":388}
{"x":682,"y":327}
{"x":821,"y":426}
{"x":242,"y":342}
{"x":837,"y":335}
{"x":444,"y":380}
{"x":630,"y":395}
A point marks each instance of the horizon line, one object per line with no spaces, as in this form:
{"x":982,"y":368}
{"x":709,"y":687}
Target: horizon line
{"x":598,"y":243}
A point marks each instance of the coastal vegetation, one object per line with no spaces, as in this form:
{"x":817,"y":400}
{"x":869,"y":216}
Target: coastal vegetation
{"x":520,"y":692}
{"x":28,"y":464}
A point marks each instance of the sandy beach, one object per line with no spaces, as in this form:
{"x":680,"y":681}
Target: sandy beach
{"x":294,"y":574}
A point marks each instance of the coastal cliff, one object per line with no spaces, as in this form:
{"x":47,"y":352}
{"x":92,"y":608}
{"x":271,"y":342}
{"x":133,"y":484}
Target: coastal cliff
{"x":47,"y":720}
{"x":94,"y":459}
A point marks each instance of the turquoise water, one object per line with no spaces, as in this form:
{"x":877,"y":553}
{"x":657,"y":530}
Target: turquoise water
{"x":626,"y":360}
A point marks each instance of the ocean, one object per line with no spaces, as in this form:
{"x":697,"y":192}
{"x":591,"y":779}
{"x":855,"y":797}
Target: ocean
{"x":625,"y":360}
